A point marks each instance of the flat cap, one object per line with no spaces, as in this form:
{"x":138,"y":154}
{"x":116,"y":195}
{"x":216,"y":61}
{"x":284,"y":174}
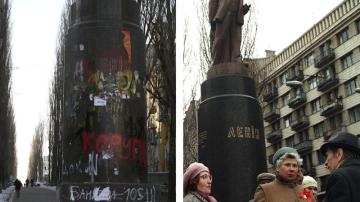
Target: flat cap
{"x":343,"y":140}
{"x":265,"y":176}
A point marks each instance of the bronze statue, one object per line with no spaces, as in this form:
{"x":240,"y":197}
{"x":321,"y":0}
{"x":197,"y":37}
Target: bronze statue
{"x":226,"y":19}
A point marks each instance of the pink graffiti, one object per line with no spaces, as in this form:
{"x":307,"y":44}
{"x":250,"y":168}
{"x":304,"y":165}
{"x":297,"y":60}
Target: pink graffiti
{"x":124,"y":148}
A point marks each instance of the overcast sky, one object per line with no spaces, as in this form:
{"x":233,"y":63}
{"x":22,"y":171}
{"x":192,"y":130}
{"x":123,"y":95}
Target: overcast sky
{"x":280,"y":22}
{"x":34,"y":32}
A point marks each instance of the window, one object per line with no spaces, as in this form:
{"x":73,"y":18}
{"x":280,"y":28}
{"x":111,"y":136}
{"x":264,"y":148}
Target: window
{"x":325,"y":49}
{"x":343,"y":36}
{"x":287,"y":120}
{"x":275,"y":126}
{"x":309,"y":60}
{"x":303,"y":136}
{"x":285,"y":99}
{"x":319,"y":130}
{"x":354,"y":114}
{"x":277,"y":146}
{"x":358,"y":26}
{"x":350,"y":87}
{"x":282,"y":79}
{"x":307,"y":162}
{"x":347,"y":61}
{"x":321,"y":157}
{"x":335,"y":122}
{"x":312,"y":82}
{"x":290,"y":141}
{"x":315,"y":105}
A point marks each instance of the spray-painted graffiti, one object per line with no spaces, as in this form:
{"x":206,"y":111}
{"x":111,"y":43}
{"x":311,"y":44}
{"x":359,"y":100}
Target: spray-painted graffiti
{"x":122,"y":147}
{"x":109,"y":75}
{"x":109,"y":192}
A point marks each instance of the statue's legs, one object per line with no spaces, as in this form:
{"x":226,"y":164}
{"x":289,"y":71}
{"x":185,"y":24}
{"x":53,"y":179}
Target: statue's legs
{"x":221,"y":46}
{"x":235,"y":41}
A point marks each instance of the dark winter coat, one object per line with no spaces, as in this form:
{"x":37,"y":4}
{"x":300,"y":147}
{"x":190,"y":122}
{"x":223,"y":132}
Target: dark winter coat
{"x":17,"y":184}
{"x":343,"y":185}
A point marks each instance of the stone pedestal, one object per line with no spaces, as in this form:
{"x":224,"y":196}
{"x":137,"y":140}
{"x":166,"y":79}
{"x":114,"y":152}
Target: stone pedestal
{"x":231,"y":132}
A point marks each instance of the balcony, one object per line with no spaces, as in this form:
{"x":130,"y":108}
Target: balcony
{"x":332,"y":108}
{"x":324,"y":58}
{"x":299,"y":123}
{"x":295,"y":75}
{"x":272,"y":115}
{"x":297,"y":100}
{"x":270,"y":93}
{"x":304,"y":146}
{"x":274,"y":136}
{"x":326,"y":83}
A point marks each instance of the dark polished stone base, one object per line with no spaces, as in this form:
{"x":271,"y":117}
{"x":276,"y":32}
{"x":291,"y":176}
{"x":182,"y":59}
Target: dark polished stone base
{"x":231,"y":132}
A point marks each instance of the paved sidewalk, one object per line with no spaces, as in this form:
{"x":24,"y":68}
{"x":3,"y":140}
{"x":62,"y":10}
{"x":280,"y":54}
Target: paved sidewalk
{"x":35,"y":194}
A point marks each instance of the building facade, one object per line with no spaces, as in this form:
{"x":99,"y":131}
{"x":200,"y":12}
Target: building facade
{"x":309,"y":91}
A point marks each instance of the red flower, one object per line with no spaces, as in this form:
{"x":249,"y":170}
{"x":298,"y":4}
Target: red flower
{"x":306,"y":194}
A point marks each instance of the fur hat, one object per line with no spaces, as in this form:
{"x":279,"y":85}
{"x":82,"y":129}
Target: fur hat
{"x":281,"y":152}
{"x":192,"y":171}
{"x":308,"y":181}
{"x":343,"y":140}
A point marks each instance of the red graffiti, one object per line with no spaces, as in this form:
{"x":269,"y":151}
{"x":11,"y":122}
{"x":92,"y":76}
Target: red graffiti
{"x":86,"y":139}
{"x":124,"y":148}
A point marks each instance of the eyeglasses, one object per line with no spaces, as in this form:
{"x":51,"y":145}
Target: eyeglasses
{"x":206,"y":176}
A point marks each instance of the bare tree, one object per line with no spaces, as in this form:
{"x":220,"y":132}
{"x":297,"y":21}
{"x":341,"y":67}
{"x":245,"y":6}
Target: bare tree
{"x":7,"y":124}
{"x":35,"y":168}
{"x":55,"y":132}
{"x":158,"y":21}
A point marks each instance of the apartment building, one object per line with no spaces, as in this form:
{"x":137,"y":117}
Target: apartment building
{"x":310,"y":90}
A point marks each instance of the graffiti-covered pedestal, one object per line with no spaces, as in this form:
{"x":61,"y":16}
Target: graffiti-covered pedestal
{"x":104,"y":112}
{"x":231,"y":132}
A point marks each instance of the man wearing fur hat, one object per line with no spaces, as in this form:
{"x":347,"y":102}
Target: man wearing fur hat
{"x":343,"y":160}
{"x":287,"y":163}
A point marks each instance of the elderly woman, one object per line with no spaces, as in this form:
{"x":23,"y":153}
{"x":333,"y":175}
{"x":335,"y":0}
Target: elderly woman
{"x":197,"y":184}
{"x":285,"y":187}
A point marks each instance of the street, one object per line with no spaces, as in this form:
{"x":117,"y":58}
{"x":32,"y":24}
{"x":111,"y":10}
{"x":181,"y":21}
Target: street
{"x":34,"y":194}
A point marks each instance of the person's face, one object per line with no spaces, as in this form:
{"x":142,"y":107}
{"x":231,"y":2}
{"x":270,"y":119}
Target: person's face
{"x":204,"y":184}
{"x":333,"y":159}
{"x":289,"y":169}
{"x":312,"y":189}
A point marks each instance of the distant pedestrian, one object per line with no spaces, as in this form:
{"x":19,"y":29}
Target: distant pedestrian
{"x":18,"y":186}
{"x":284,"y":188}
{"x":32,"y":182}
{"x":343,"y":160}
{"x":27,"y":182}
{"x":197,"y":184}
